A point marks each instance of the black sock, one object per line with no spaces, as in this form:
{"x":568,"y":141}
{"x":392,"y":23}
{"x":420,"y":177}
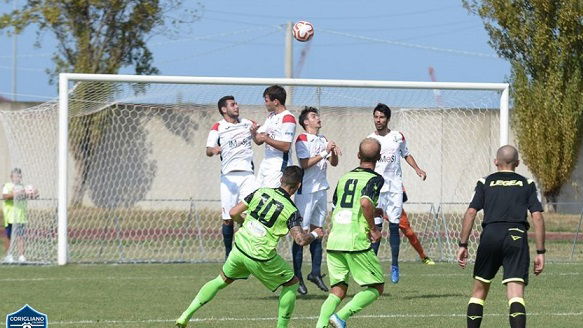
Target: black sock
{"x":297,"y":256}
{"x":475,"y":312}
{"x":316,"y":251}
{"x":228,"y":231}
{"x":375,"y":246}
{"x":395,"y":241}
{"x":517,"y":315}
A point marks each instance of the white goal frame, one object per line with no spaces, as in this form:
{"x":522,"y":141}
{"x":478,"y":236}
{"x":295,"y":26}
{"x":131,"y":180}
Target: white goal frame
{"x":66,"y":78}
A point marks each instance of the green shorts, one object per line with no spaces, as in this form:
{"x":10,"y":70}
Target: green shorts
{"x":272,"y":273}
{"x":364,"y":267}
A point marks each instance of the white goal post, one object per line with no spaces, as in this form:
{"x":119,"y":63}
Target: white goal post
{"x":64,"y":108}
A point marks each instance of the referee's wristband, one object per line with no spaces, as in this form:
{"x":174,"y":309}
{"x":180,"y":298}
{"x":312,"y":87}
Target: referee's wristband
{"x":541,"y":251}
{"x":460,"y":244}
{"x":313,"y":233}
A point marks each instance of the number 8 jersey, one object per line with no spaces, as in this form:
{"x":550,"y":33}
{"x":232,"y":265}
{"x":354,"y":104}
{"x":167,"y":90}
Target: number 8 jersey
{"x":271,"y":214}
{"x":350,"y":230}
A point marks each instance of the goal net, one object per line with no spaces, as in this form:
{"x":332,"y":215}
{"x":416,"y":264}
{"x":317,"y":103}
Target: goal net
{"x":141,"y":189}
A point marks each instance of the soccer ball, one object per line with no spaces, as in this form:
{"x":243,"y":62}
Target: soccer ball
{"x":31,"y":192}
{"x":303,"y":31}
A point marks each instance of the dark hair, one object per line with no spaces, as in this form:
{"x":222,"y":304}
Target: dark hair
{"x":16,"y":170}
{"x":275,"y":92}
{"x":292,"y":176}
{"x":304,"y":114}
{"x":223,"y":102}
{"x":383,"y":109}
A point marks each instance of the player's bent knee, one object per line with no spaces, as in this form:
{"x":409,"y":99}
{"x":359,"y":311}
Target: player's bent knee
{"x":226,"y":279}
{"x":379,"y":287}
{"x":339,"y":290}
{"x":294,"y":281}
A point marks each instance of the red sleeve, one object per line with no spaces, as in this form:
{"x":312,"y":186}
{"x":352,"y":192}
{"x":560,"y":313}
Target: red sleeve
{"x":289,"y":119}
{"x":302,"y":137}
{"x":215,"y":127}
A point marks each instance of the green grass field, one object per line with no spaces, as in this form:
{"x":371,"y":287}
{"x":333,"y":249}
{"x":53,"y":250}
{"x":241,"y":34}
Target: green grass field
{"x":153,"y":295}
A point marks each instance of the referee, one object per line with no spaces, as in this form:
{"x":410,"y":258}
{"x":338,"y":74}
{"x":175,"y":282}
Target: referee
{"x":505,"y":197}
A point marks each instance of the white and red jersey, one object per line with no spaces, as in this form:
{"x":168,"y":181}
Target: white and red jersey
{"x":393,"y":147}
{"x":280,"y":127}
{"x":309,"y":145}
{"x":235,"y":142}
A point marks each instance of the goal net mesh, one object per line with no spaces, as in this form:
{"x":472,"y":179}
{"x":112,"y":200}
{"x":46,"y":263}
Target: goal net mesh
{"x":141,"y":188}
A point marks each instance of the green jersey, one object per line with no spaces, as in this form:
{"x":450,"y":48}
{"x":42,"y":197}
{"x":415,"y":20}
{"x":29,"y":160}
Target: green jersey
{"x":14,"y":210}
{"x":271,"y":213}
{"x":350,"y":231}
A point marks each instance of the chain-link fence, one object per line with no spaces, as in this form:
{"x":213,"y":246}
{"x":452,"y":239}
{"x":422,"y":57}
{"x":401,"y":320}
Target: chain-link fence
{"x":189,"y":230}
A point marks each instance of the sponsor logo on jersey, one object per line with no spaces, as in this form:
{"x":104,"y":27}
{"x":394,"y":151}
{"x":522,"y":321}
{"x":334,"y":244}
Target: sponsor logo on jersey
{"x":233,"y":143}
{"x":506,"y":183}
{"x":388,"y":159}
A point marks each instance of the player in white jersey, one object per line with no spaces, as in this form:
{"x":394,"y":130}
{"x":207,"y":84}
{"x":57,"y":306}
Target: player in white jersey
{"x":313,"y":151}
{"x":393,"y":148}
{"x":230,"y":138}
{"x":278,"y":134}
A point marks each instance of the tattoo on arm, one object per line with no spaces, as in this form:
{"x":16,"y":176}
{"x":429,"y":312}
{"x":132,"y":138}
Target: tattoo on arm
{"x":300,"y":237}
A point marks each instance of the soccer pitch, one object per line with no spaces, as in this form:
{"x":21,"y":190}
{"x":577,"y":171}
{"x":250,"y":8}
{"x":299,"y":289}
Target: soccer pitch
{"x":154,"y":295}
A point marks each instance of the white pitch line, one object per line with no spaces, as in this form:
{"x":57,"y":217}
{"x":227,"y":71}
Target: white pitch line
{"x":468,"y":274}
{"x":369,"y":316}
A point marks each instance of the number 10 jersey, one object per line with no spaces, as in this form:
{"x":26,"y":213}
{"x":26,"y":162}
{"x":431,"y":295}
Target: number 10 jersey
{"x":271,"y":214}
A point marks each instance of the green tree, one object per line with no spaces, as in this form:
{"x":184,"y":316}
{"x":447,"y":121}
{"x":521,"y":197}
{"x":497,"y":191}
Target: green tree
{"x":543,"y":40}
{"x":97,"y":36}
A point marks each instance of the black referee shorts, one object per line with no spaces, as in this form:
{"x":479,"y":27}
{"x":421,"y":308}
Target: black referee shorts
{"x":506,"y":245}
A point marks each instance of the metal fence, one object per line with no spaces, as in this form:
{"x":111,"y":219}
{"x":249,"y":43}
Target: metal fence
{"x":189,"y":230}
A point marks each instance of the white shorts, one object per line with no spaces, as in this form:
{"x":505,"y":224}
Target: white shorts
{"x":313,"y":208}
{"x":269,"y":178}
{"x":234,"y":187}
{"x":392,"y":204}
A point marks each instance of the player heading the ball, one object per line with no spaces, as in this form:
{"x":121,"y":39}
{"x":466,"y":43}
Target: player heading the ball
{"x":230,"y":138}
{"x":277,"y":133}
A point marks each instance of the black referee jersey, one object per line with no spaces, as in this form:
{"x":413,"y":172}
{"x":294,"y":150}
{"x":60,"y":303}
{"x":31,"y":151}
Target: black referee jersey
{"x":505,"y":196}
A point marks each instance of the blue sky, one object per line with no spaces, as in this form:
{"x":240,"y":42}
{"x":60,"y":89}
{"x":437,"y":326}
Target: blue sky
{"x":373,"y":39}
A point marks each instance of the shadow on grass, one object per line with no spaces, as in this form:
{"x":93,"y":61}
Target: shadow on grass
{"x":320,"y":296}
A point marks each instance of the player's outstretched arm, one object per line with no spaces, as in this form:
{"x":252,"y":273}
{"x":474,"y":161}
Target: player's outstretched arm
{"x":539,"y":235}
{"x":468,"y":223}
{"x":303,"y":238}
{"x":411,"y":161}
{"x":236,"y":212}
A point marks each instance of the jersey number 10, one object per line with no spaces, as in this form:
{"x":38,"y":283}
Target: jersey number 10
{"x":264,"y":206}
